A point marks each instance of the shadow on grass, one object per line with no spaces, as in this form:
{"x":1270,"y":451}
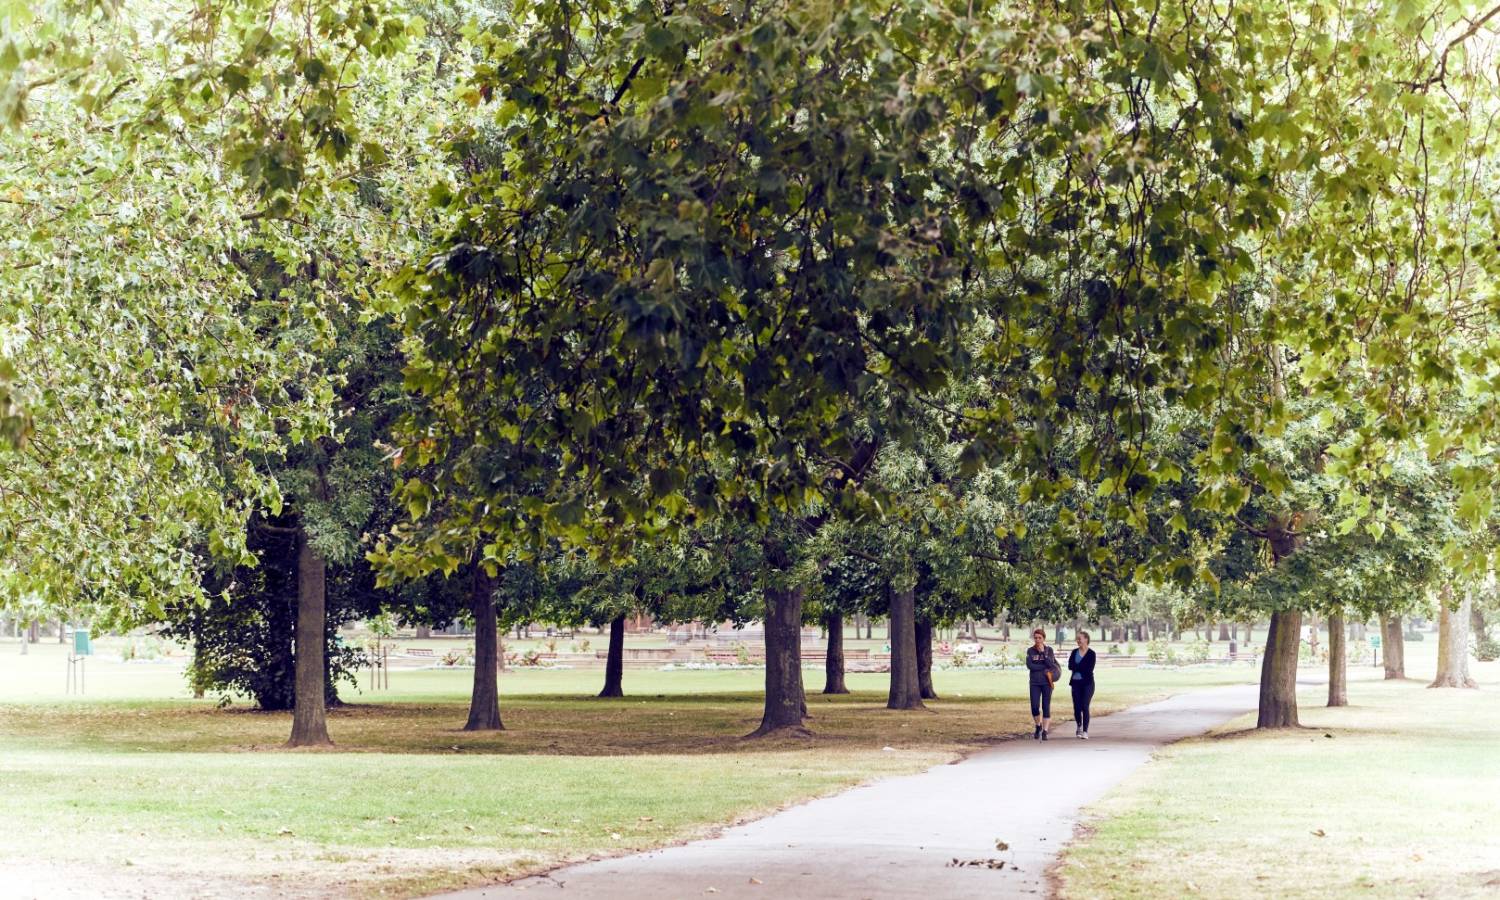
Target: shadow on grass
{"x":536,"y":724}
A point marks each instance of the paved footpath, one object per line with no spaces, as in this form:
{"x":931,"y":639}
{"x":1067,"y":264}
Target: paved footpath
{"x":898,"y":837}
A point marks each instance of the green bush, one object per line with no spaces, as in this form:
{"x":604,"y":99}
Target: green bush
{"x":1412,"y":636}
{"x":1198,"y":651}
{"x":1114,"y":650}
{"x":1159,"y":651}
{"x":1486,"y":648}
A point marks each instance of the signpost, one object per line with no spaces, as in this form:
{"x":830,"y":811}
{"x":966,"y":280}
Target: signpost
{"x":81,"y":650}
{"x":1375,"y":650}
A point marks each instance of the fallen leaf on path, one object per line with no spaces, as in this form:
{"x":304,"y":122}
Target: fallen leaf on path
{"x":544,"y":831}
{"x":468,"y":828}
{"x":286,"y":831}
{"x":754,"y":880}
{"x":1001,"y":845}
{"x":647,"y":818}
{"x":1318,"y":832}
{"x":712,"y":890}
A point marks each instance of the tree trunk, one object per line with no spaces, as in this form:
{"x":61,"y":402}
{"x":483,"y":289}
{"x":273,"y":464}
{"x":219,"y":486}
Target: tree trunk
{"x":614,"y":665}
{"x":61,"y":628}
{"x":310,"y":704}
{"x":34,"y":633}
{"x":924,"y":660}
{"x":1224,"y":634}
{"x":1278,"y":672}
{"x":833,"y":664}
{"x":484,"y":700}
{"x":786,"y":704}
{"x":424,"y":632}
{"x":906,"y":687}
{"x":1394,"y":647}
{"x":1338,"y":669}
{"x":1453,"y":644}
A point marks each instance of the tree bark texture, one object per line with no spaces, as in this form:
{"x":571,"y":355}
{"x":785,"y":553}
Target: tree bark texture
{"x":833,"y":663}
{"x":484,"y":700}
{"x":1278,"y":673}
{"x":1453,"y":644}
{"x":1338,"y":666}
{"x":786,"y":704}
{"x":1393,"y":646}
{"x":614,"y":664}
{"x":310,"y":711}
{"x":924,"y":660}
{"x":906,"y":688}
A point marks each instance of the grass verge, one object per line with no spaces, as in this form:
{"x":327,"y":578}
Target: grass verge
{"x":1393,"y":796}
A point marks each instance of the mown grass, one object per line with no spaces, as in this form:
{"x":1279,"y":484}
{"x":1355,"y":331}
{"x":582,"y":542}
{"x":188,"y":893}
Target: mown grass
{"x":1396,"y":795}
{"x":136,"y":788}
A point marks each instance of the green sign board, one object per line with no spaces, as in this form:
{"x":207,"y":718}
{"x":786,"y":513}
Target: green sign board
{"x":81,"y":645}
{"x":1375,"y":641}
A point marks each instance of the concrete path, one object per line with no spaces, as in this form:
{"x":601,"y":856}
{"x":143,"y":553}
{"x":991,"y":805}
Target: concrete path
{"x":897,"y":838}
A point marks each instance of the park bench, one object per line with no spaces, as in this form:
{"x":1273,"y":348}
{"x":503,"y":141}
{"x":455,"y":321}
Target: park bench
{"x":857,"y":653}
{"x":422,"y":652}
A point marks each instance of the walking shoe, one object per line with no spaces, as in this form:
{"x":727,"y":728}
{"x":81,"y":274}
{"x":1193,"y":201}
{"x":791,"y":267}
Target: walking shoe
{"x":1037,"y":735}
{"x":1078,"y":732}
{"x":1044,"y":735}
{"x":1085,"y":735}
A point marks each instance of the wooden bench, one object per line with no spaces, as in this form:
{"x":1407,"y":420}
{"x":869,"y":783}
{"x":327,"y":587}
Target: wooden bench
{"x":423,"y":652}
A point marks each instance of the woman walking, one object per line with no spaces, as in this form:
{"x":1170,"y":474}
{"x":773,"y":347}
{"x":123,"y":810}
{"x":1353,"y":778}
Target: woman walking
{"x":1081,"y":663}
{"x":1041,"y":662}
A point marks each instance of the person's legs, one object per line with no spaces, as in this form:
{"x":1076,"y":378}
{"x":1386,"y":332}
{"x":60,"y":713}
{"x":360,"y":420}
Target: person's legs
{"x":1046,"y":690}
{"x":1079,"y":709}
{"x":1088,"y":698}
{"x":1036,"y":709}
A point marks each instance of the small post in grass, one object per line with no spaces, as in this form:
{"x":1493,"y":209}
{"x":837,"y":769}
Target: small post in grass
{"x":77,"y":655}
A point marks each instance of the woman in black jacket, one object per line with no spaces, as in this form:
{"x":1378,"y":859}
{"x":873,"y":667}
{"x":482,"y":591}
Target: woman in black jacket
{"x":1041,"y":662}
{"x":1081,"y":663}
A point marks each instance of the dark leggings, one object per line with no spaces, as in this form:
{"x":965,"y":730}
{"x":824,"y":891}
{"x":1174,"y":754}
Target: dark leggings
{"x":1083,"y":695}
{"x":1041,"y":700}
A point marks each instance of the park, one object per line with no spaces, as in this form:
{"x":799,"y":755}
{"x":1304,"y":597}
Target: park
{"x":680,"y":448}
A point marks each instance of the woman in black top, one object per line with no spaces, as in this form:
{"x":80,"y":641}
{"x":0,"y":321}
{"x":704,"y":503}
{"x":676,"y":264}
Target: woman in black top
{"x":1042,"y":664}
{"x":1081,"y":662}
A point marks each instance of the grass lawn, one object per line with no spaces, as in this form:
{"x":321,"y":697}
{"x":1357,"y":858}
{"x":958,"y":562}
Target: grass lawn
{"x":1396,"y":795}
{"x":137,"y":789}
